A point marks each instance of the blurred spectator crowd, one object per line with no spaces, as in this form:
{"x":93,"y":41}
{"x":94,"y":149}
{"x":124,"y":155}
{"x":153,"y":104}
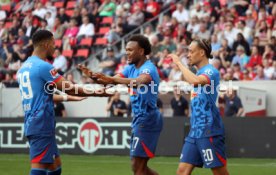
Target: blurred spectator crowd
{"x":242,"y":34}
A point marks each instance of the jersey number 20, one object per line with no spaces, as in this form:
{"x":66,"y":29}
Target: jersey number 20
{"x":208,"y":155}
{"x":25,"y":85}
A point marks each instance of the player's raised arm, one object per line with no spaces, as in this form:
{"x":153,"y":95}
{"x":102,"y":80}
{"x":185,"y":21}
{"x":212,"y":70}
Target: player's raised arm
{"x":197,"y":50}
{"x":188,"y":75}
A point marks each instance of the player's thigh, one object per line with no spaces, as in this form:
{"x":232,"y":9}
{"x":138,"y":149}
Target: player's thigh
{"x":143,"y":143}
{"x":48,"y":166}
{"x":220,"y":170}
{"x":55,"y":165}
{"x":212,"y":151}
{"x":43,"y":151}
{"x":190,"y":153}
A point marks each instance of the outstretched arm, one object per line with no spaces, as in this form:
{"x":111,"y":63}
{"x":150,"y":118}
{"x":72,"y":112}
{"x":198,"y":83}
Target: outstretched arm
{"x":117,"y":79}
{"x":132,"y":82}
{"x":61,"y":98}
{"x":76,"y":90}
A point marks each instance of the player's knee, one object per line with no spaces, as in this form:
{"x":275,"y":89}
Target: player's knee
{"x":220,"y":171}
{"x":183,"y":171}
{"x":136,"y":166}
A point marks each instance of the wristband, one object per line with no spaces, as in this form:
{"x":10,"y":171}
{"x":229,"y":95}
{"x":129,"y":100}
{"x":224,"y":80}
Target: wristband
{"x":65,"y":97}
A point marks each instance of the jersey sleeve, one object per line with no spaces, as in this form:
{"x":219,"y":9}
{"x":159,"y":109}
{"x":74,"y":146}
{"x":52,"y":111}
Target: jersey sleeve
{"x":211,"y":74}
{"x":147,"y":69}
{"x":48,"y":73}
{"x":125,"y":72}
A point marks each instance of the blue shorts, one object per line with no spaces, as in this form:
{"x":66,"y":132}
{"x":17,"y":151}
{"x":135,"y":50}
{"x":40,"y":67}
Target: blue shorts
{"x":209,"y":151}
{"x":143,"y":143}
{"x":43,"y":149}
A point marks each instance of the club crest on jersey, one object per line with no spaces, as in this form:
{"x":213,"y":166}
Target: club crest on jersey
{"x":54,"y":73}
{"x":146,"y":71}
{"x":208,"y":72}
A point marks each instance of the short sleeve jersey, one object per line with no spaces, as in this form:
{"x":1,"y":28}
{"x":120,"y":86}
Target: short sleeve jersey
{"x":205,"y":117}
{"x":34,"y":78}
{"x":146,"y":115}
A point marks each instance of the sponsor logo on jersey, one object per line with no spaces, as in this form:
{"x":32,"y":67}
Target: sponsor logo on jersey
{"x":146,"y":71}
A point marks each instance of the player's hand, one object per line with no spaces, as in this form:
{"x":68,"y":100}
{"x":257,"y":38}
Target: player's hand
{"x":75,"y":98}
{"x":175,"y":58}
{"x":102,"y":79}
{"x":87,"y":72}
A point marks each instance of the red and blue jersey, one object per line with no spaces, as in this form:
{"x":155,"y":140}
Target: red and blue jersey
{"x":205,"y":117}
{"x":146,"y":115}
{"x":37,"y":99}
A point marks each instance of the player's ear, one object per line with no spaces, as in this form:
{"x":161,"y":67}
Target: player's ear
{"x":45,"y":44}
{"x":202,"y":52}
{"x":141,"y":51}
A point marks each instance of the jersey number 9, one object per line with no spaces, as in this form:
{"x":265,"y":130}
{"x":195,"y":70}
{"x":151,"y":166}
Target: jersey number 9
{"x":25,"y":85}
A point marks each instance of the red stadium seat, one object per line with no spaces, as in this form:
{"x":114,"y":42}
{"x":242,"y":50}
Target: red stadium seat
{"x":6,"y":8}
{"x":107,"y":20}
{"x":17,"y":6}
{"x":8,"y":25}
{"x":101,"y":41}
{"x":67,"y":53}
{"x":59,"y":4}
{"x":104,"y":30}
{"x":86,"y":42}
{"x":71,"y":4}
{"x":69,"y":12}
{"x":82,"y":53}
{"x":58,"y":43}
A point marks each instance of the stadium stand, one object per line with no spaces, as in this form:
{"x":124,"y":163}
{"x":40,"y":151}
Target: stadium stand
{"x":243,"y":33}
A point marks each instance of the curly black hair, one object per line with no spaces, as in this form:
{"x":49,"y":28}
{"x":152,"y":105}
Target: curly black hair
{"x":143,"y":42}
{"x":40,"y":36}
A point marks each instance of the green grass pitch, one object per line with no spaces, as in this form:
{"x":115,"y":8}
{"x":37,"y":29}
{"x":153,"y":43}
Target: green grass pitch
{"x":18,"y":164}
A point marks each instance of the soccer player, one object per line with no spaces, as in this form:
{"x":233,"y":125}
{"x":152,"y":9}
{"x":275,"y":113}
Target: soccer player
{"x":142,"y":77}
{"x":205,"y":142}
{"x":37,"y":78}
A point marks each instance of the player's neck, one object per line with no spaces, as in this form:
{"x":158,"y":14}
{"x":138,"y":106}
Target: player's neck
{"x":141,"y":62}
{"x":202,"y":63}
{"x":39,"y":53}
